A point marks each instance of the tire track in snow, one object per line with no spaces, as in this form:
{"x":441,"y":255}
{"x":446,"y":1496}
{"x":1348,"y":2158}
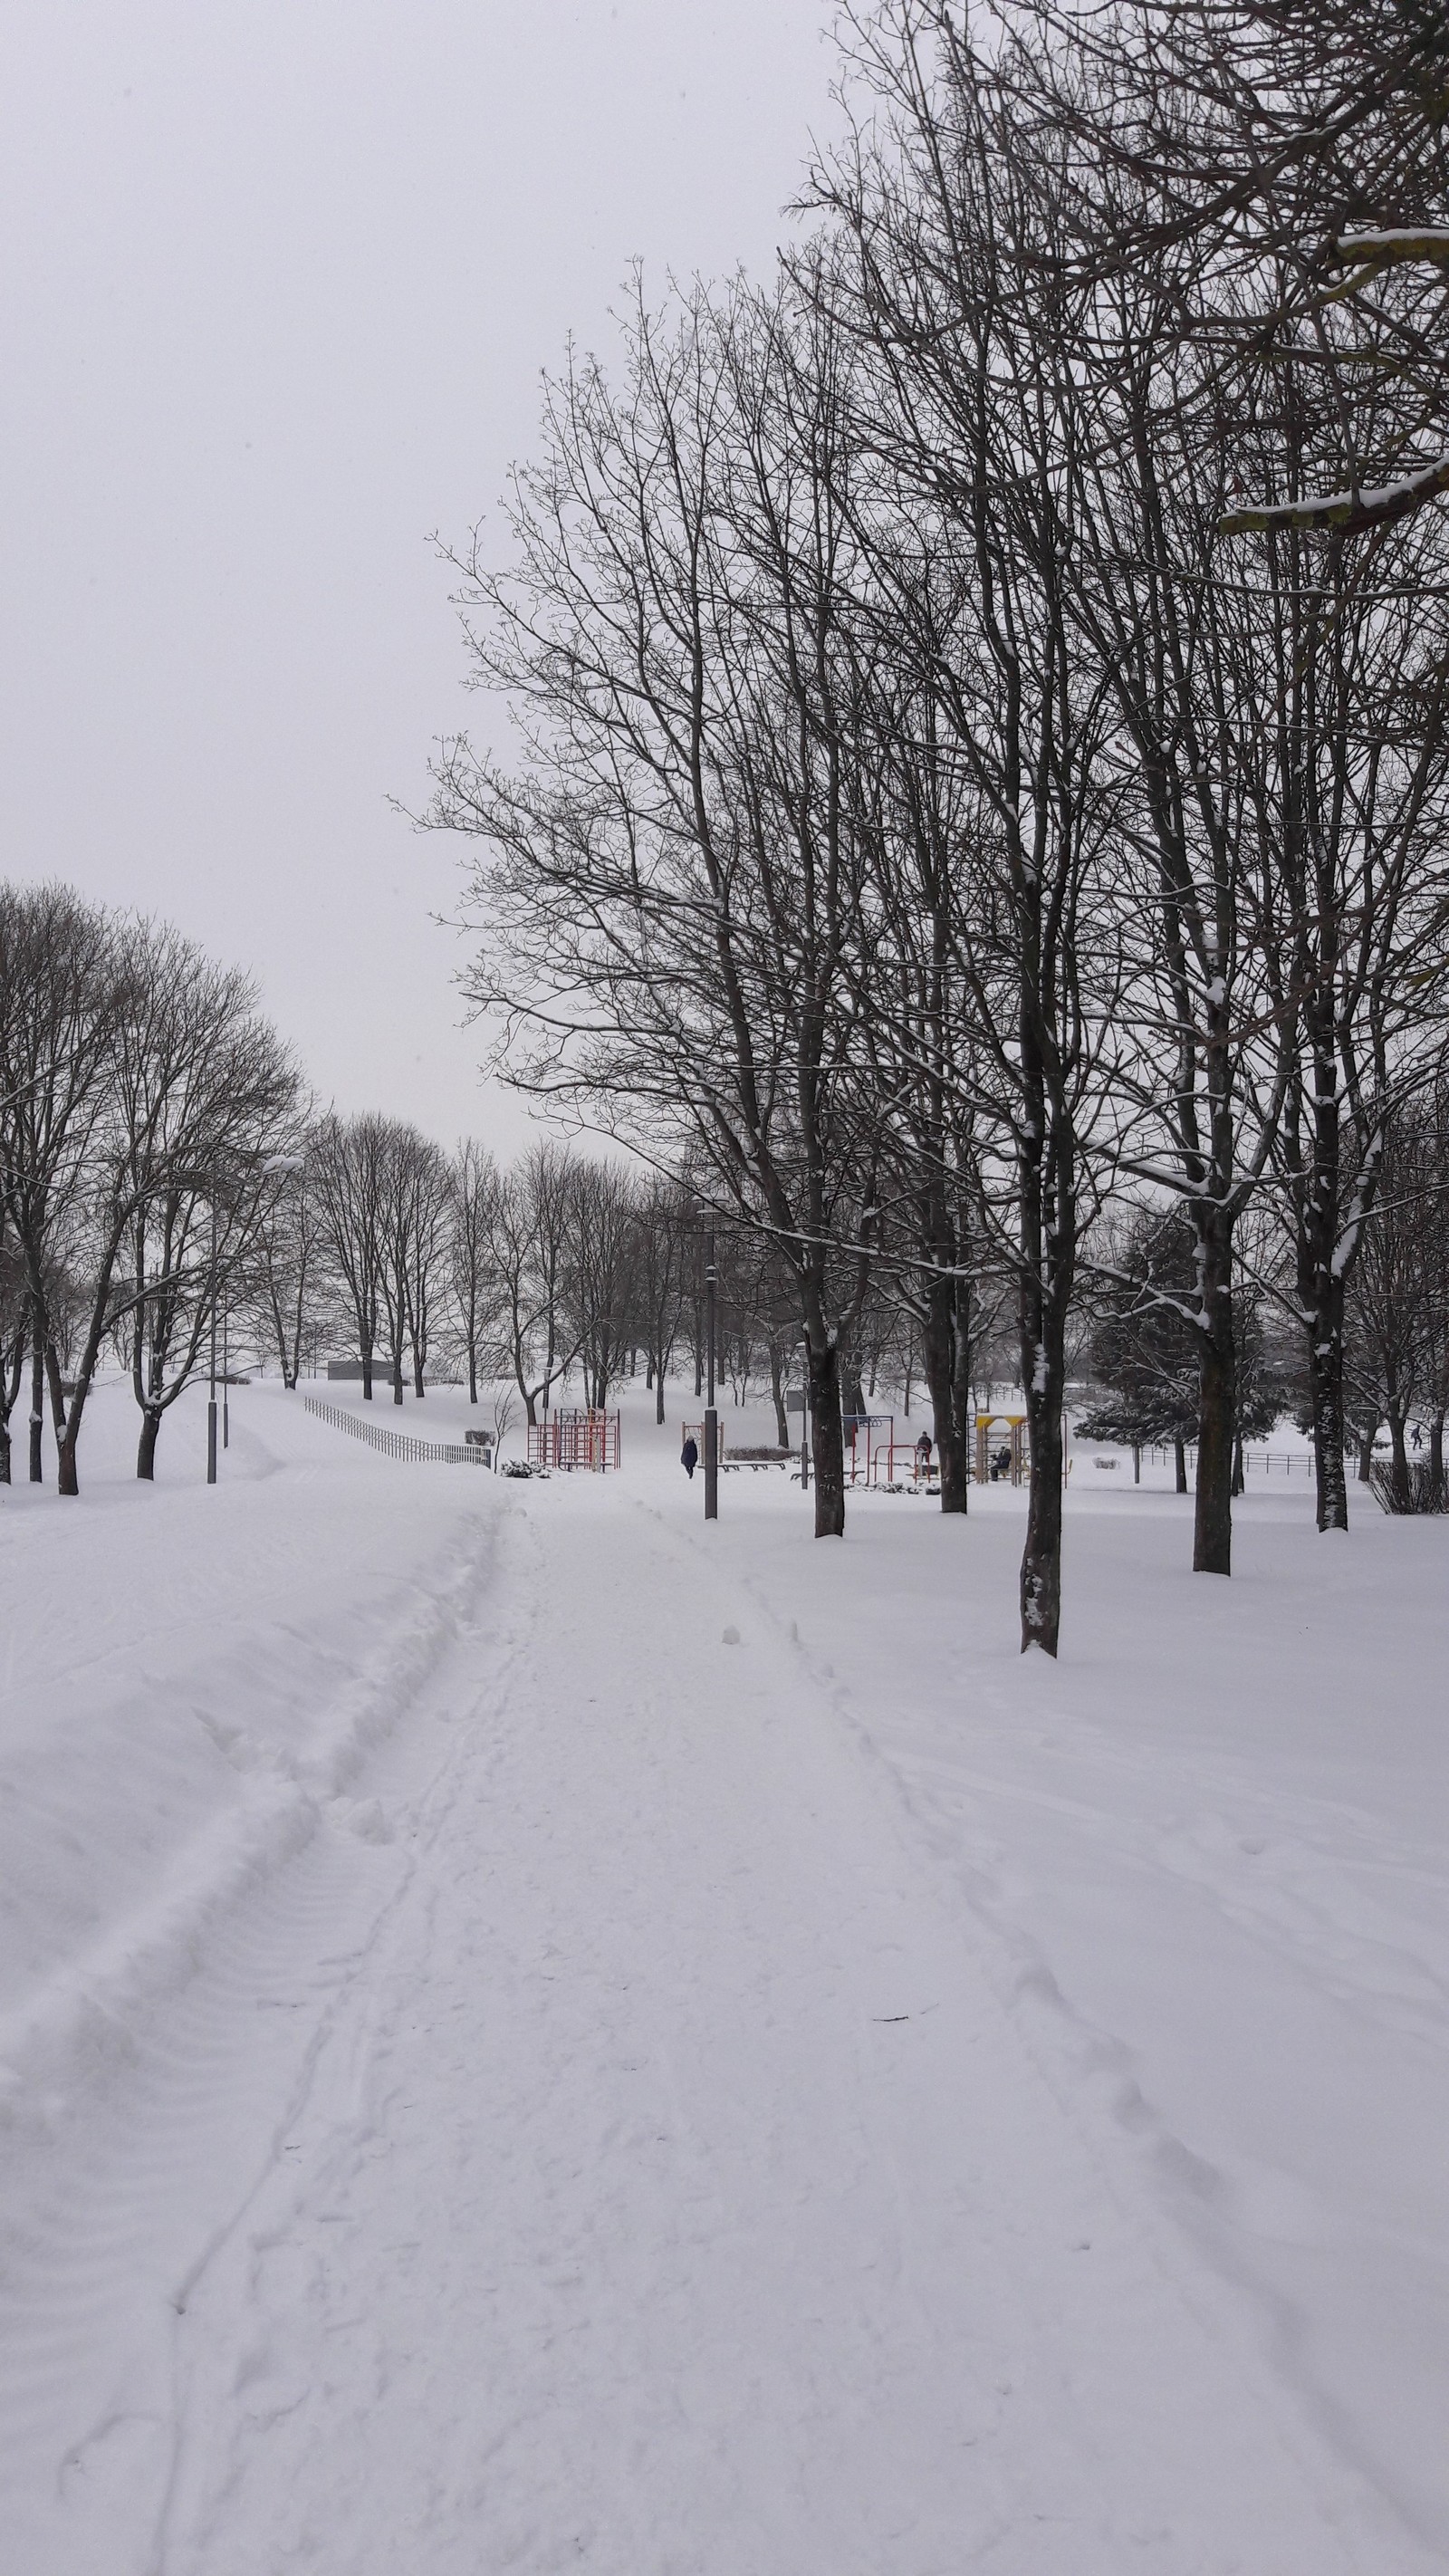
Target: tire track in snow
{"x":149,"y":2110}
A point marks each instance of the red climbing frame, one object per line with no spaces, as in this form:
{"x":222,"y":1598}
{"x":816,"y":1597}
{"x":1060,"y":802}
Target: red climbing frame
{"x":575,"y":1439}
{"x":867,"y":1437}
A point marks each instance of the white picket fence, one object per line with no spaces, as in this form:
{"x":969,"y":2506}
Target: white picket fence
{"x":396,"y":1444}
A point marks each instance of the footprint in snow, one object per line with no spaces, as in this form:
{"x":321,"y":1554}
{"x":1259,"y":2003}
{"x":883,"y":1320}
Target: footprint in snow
{"x":366,"y":1819}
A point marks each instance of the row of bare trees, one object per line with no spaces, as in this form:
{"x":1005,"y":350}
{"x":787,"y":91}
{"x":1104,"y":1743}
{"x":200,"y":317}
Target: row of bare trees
{"x":162,"y":1177}
{"x":983,"y":704}
{"x":144,"y":1106}
{"x":554,"y":1267}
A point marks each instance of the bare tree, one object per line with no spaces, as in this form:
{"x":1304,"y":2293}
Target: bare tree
{"x":530,"y":1235}
{"x":349,"y":1162}
{"x":602,"y":1274}
{"x":1431,"y":1111}
{"x":950,"y":281}
{"x":62,"y":974}
{"x":412,"y":1245}
{"x":666,"y":898}
{"x":289,"y":1270}
{"x":664,"y":1255}
{"x":202,"y":1092}
{"x":1289,"y":160}
{"x":429,"y":1195}
{"x":1387,"y":1351}
{"x":474,"y":1215}
{"x":14,"y":1334}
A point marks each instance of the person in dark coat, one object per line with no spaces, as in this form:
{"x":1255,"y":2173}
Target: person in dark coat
{"x":689,"y":1457}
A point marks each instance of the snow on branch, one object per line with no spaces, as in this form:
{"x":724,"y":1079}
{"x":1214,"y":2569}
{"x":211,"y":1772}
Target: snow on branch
{"x":1391,"y":247}
{"x":1347,"y":512}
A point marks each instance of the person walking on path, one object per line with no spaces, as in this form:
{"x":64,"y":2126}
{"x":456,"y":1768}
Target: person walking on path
{"x":689,"y":1456}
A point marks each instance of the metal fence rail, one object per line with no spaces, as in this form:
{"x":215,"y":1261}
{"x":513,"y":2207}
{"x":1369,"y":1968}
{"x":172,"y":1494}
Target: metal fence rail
{"x":1256,"y":1462}
{"x":395,"y":1444}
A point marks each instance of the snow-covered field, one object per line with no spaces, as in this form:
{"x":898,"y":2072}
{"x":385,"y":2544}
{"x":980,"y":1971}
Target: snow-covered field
{"x":494,"y":2076}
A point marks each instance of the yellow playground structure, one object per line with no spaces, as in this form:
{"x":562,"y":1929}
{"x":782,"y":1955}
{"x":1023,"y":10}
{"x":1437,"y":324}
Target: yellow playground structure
{"x":1001,"y":1457}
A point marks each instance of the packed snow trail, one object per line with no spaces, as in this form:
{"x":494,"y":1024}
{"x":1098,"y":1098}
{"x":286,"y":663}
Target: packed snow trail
{"x":666,"y":2191}
{"x":494,"y":2076}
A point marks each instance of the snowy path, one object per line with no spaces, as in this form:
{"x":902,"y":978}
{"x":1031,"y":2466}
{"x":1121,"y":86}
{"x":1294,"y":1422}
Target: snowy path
{"x":624,"y":2222}
{"x":603,"y":2142}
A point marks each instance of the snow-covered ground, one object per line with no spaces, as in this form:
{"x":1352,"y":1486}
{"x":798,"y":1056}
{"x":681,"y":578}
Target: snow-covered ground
{"x":495,"y":2076}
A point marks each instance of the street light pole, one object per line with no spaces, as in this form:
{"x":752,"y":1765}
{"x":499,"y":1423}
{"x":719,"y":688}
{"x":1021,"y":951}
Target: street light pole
{"x":711,"y":1418}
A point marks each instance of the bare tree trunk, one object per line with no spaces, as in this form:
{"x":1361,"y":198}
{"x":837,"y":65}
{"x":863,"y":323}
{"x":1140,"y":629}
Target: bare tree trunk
{"x":1366,"y":1450}
{"x":1212,"y":1542}
{"x":57,"y":1391}
{"x":777,"y":1397}
{"x":827,"y":1439}
{"x":67,"y":1479}
{"x":1327,"y":1377}
{"x":1325,"y":1370}
{"x":1179,"y":1462}
{"x":37,"y":1398}
{"x":146,"y":1446}
{"x":1239,"y":1472}
{"x":941,"y":1374}
{"x":1044,"y":1385}
{"x":367,"y":1377}
{"x":958,"y":1457}
{"x":1399,"y":1475}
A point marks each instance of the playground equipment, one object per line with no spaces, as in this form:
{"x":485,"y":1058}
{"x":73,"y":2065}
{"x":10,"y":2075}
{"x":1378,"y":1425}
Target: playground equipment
{"x":869,"y":1438}
{"x":899,"y":1462}
{"x":695,"y":1431}
{"x":575,"y":1438}
{"x":893,"y":1462}
{"x":1014,"y":1424}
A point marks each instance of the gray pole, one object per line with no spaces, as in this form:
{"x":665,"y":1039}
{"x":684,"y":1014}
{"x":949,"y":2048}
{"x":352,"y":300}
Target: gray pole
{"x":711,"y":1418}
{"x":805,"y":1423}
{"x":226,"y":1372}
{"x":211,"y":1407}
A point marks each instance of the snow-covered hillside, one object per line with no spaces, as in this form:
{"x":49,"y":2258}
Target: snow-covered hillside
{"x":538,"y":2034}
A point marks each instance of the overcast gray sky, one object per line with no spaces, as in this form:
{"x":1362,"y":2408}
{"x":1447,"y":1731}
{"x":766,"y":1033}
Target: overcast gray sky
{"x":280,"y":279}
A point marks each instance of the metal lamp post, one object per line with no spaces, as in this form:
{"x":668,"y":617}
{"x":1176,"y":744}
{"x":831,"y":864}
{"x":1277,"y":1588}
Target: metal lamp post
{"x":711,"y":1417}
{"x":274,"y":1163}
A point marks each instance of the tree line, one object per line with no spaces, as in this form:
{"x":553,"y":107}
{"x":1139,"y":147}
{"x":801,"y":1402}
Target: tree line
{"x":166,"y":1178}
{"x":982,"y":797}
